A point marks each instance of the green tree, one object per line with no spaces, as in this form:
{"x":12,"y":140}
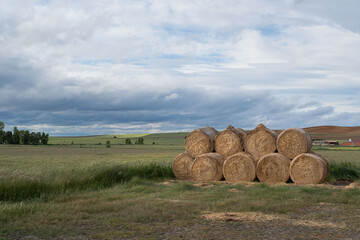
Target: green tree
{"x":44,"y":138}
{"x":26,"y":137}
{"x":8,"y":137}
{"x":2,"y":132}
{"x":35,"y":138}
{"x":139,"y":141}
{"x":16,"y":136}
{"x":127,"y":141}
{"x":22,"y":133}
{"x":108,"y":144}
{"x":2,"y":136}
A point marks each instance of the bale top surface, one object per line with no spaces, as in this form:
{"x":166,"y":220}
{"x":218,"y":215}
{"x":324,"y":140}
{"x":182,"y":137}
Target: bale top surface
{"x":327,"y":164}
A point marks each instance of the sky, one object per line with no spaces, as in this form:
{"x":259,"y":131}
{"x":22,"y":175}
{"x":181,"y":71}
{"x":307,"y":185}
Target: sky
{"x":76,"y":67}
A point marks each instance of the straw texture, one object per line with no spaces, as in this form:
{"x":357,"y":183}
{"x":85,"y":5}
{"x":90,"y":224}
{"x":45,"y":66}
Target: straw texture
{"x":182,"y":166}
{"x":239,"y":167}
{"x":308,"y":168}
{"x":229,"y":141}
{"x":208,"y":167}
{"x":260,"y":141}
{"x":273,"y":168}
{"x":200,"y":141}
{"x":293,"y":142}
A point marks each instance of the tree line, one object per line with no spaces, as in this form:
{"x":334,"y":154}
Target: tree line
{"x":22,"y":136}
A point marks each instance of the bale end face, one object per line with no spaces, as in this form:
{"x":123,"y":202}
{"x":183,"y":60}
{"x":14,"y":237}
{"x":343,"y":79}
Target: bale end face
{"x":239,"y":167}
{"x":308,"y":168}
{"x":200,"y":141}
{"x":293,"y":142}
{"x":228,"y":142}
{"x":273,"y":168}
{"x":260,"y":141}
{"x":182,"y":166}
{"x":208,"y":167}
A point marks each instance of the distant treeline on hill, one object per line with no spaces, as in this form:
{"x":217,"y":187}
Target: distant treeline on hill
{"x":22,"y":136}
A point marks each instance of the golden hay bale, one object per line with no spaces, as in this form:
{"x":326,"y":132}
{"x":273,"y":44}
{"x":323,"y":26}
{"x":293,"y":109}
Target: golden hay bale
{"x":308,"y":168}
{"x":182,"y":166}
{"x":200,"y":141}
{"x":293,"y":142}
{"x":260,"y":142}
{"x":239,"y":167}
{"x":327,"y":164}
{"x":229,"y":141}
{"x":273,"y":168}
{"x":208,"y":167}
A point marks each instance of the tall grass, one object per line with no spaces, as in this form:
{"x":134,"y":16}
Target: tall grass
{"x":21,"y":190}
{"x":344,"y":170}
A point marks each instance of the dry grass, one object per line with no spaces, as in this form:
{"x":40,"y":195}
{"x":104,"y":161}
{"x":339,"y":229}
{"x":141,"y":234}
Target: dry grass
{"x":168,"y":209}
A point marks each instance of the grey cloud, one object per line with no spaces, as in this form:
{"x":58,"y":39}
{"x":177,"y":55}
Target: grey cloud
{"x":344,"y":13}
{"x":43,"y":82}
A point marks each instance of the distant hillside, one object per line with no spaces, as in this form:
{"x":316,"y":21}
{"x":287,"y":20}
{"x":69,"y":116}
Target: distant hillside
{"x":334,"y":132}
{"x":331,"y":132}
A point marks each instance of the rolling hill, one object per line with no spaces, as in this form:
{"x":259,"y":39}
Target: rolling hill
{"x":333,"y":132}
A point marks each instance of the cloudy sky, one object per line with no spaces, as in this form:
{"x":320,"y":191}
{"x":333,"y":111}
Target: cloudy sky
{"x":133,"y":66}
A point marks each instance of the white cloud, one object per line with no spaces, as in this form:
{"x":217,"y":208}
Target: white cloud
{"x":57,"y":56}
{"x":172,"y":96}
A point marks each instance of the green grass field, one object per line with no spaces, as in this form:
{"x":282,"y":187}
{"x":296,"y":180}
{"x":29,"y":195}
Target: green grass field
{"x":85,"y":190}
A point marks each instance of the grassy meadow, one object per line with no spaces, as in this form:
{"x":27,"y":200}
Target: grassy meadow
{"x":77,"y":188}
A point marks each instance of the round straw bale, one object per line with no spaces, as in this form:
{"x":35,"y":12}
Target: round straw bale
{"x":293,"y":142}
{"x":182,"y":166}
{"x":327,"y":164}
{"x":200,"y":141}
{"x":208,"y":167}
{"x":260,"y":142}
{"x":273,"y":168}
{"x":239,"y":167}
{"x":229,"y":141}
{"x":308,"y":168}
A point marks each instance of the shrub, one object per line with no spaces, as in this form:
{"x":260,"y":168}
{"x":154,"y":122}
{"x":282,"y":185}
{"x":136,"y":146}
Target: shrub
{"x":139,"y":141}
{"x":108,"y":144}
{"x":127,"y":141}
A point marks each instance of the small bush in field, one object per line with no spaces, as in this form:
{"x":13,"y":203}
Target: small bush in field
{"x":139,"y":141}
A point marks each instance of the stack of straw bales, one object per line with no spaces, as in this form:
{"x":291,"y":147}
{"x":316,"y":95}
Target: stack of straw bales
{"x":236,"y":155}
